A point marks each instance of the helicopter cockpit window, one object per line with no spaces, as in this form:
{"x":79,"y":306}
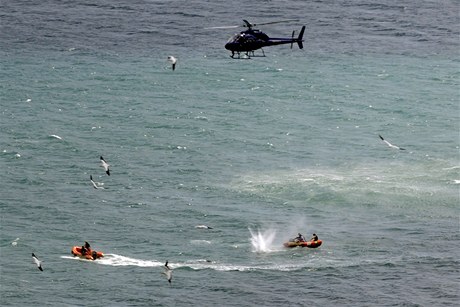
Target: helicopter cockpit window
{"x":237,"y":38}
{"x":233,"y":38}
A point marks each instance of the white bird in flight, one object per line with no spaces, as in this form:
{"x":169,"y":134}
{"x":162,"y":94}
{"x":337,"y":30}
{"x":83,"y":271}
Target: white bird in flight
{"x":203,"y":227}
{"x":173,"y":61}
{"x":168,"y":272}
{"x":56,"y":136}
{"x":94,"y":184}
{"x":37,"y":262}
{"x":105,"y":165}
{"x":389,"y":144}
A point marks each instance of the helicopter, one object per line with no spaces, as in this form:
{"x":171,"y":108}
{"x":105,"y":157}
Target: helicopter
{"x":252,"y":39}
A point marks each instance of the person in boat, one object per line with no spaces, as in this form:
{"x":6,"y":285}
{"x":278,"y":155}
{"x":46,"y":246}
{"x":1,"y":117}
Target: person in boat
{"x":90,"y":251}
{"x":299,"y":238}
{"x":314,"y":238}
{"x":86,"y":249}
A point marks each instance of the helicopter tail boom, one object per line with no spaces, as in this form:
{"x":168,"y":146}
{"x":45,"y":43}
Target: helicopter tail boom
{"x":278,"y":41}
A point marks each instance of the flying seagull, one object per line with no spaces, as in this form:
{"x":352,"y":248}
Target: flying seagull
{"x":105,"y":166}
{"x":94,"y":184}
{"x":56,"y":136}
{"x":168,"y":272}
{"x":203,"y":227}
{"x":173,"y":61}
{"x":389,"y":144}
{"x":37,"y":262}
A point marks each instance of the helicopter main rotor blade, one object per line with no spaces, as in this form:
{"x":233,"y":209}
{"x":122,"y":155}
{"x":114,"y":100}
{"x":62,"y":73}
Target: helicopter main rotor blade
{"x":273,"y":22}
{"x":224,"y":27}
{"x":247,"y":24}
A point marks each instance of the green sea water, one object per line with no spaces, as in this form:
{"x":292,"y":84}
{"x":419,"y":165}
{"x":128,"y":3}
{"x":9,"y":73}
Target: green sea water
{"x":257,"y":149}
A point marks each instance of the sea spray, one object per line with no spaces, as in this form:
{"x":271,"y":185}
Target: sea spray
{"x":262,"y":241}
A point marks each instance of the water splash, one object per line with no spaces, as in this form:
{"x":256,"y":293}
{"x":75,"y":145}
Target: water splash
{"x":262,"y":242}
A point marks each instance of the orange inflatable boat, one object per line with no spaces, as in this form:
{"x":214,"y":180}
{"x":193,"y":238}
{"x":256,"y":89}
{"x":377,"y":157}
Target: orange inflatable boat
{"x":90,"y":255}
{"x":311,"y":244}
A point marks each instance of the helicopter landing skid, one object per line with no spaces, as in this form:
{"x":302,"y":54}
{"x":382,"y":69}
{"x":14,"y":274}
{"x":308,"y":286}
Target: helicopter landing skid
{"x":247,"y":55}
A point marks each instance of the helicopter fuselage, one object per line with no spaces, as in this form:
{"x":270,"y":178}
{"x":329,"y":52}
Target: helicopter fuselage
{"x":251,"y":40}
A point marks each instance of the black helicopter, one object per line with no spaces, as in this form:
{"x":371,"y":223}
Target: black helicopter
{"x":251,"y":39}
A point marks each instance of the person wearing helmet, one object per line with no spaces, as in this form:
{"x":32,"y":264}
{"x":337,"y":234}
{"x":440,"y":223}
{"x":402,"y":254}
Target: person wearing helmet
{"x":314,"y":238}
{"x":86,"y":249}
{"x":299,"y":238}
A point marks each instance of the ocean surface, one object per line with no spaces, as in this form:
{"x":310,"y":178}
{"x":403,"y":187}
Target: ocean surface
{"x":258,"y":149}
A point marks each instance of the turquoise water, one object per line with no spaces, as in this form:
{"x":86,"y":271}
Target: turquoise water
{"x":258,"y":149}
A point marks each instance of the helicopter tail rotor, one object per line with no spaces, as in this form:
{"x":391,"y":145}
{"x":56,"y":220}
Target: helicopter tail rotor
{"x":300,"y":38}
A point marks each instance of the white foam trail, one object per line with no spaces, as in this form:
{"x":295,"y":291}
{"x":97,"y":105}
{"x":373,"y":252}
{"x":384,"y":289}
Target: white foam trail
{"x":198,"y":264}
{"x":226,"y":267}
{"x":200,"y":242}
{"x":451,"y":168}
{"x":118,"y":260}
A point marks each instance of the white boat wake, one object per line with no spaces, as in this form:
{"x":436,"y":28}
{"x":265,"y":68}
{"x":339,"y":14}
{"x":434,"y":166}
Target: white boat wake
{"x":118,"y":260}
{"x":197,"y":264}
